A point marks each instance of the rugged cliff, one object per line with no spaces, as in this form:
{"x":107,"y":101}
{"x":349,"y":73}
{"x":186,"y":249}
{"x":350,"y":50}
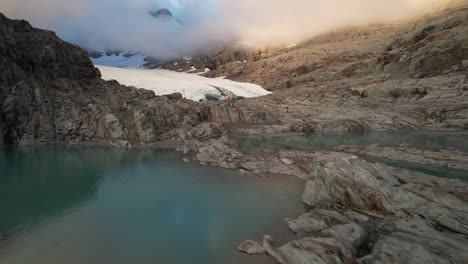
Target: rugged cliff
{"x":51,"y":92}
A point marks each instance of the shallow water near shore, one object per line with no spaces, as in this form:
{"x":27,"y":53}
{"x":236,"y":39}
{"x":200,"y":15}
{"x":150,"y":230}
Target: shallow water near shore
{"x":102,"y":205}
{"x":328,"y":141}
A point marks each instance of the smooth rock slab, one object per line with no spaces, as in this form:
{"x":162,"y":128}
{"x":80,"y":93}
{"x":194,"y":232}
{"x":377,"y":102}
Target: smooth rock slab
{"x":251,"y":247}
{"x":306,"y":224}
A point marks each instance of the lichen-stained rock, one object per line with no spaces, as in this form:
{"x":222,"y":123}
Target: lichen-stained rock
{"x":51,"y":92}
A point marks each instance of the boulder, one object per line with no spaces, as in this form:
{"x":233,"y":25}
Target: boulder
{"x":306,"y":224}
{"x":251,"y":247}
{"x":175,"y":96}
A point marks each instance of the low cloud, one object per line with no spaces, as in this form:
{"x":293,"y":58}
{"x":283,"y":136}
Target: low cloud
{"x":126,"y":24}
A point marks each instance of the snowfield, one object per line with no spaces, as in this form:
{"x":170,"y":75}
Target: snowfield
{"x":191,"y":86}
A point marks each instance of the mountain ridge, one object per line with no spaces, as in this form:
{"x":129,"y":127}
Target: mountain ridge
{"x":165,"y":14}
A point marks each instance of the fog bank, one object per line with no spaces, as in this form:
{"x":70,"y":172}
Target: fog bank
{"x":127,"y":25}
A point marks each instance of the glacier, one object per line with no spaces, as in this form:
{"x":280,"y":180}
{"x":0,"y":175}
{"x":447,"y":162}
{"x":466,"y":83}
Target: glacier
{"x":129,"y":71}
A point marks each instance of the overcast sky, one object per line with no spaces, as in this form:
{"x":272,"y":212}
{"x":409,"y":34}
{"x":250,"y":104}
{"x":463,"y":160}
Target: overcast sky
{"x":126,"y":25}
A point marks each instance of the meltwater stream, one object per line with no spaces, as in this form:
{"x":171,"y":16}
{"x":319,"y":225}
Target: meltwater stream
{"x":329,"y":141}
{"x":100,"y":205}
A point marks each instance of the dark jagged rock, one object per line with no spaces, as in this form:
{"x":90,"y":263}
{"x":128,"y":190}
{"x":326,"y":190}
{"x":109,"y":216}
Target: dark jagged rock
{"x":163,"y":12}
{"x":51,"y":92}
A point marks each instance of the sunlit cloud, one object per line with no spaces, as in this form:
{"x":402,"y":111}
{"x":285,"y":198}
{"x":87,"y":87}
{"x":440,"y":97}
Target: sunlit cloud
{"x":126,"y":25}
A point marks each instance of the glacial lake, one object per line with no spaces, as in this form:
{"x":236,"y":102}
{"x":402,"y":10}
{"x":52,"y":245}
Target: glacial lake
{"x":95,"y":205}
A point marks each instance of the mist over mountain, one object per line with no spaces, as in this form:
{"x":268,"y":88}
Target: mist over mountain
{"x":165,"y":15}
{"x":123,"y":25}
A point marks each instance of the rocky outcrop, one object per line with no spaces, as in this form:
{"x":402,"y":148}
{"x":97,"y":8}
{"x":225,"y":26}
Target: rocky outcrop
{"x":234,"y":114}
{"x":362,"y":212}
{"x":431,"y":103}
{"x":51,"y":92}
{"x":421,"y":221}
{"x":430,"y":45}
{"x":338,"y":178}
{"x":335,"y":241}
{"x":433,"y":47}
{"x":416,"y":241}
{"x":354,"y":105}
{"x":389,"y":240}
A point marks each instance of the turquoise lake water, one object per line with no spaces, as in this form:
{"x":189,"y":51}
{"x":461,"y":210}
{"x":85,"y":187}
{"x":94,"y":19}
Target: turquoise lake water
{"x":67,"y":205}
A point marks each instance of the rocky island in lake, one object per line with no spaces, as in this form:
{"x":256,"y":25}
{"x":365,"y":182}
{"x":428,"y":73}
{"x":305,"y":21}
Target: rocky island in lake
{"x":348,"y":146}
